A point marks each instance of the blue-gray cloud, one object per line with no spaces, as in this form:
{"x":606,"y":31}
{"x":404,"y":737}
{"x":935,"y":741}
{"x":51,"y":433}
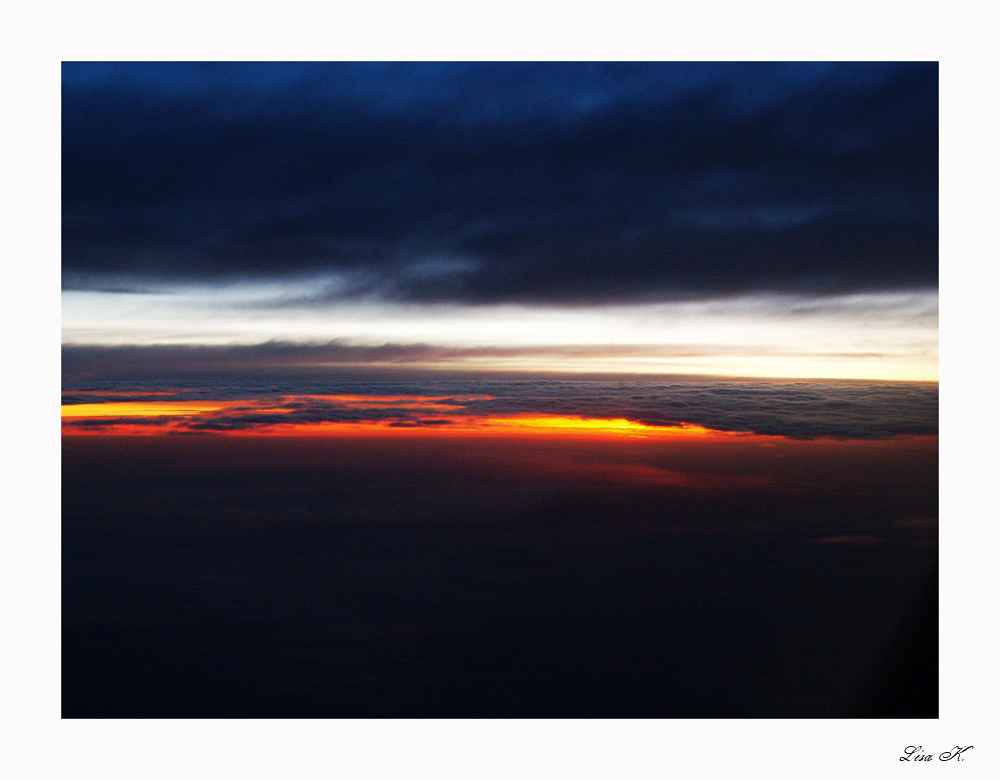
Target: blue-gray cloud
{"x":486,"y":182}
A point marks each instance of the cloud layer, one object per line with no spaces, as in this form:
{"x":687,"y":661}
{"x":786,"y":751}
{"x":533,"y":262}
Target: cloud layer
{"x":803,"y":410}
{"x":567,"y":183}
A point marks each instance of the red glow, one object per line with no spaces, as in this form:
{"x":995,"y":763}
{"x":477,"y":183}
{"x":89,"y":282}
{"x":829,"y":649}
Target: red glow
{"x":152,"y":418}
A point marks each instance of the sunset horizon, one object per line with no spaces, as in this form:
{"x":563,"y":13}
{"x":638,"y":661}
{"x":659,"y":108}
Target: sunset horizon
{"x":500,"y":389}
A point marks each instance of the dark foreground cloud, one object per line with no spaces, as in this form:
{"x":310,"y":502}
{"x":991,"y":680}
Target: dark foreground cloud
{"x":802,"y":410}
{"x":476,"y":182}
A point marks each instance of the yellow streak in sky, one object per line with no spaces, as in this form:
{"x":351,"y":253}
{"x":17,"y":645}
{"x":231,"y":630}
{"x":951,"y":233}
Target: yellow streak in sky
{"x":592,"y":425}
{"x":461,"y":424}
{"x":144,"y":408}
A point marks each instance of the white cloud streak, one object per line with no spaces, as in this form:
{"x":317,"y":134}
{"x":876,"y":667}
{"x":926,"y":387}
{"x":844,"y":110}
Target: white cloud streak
{"x":874,"y":336}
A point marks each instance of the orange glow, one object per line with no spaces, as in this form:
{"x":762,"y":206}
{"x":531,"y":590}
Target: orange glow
{"x":594,"y":425}
{"x":144,"y":408}
{"x":273,"y":406}
{"x":436,"y":420}
{"x":525,"y":425}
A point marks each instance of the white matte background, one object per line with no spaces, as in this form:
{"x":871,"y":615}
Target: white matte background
{"x":38,"y":36}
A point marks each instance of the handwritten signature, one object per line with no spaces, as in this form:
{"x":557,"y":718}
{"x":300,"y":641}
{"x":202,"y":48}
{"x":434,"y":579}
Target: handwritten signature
{"x":916,"y":753}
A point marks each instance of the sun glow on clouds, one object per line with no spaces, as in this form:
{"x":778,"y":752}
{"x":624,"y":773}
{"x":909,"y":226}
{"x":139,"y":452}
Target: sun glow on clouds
{"x":869,"y":336}
{"x":127,"y":418}
{"x":796,"y":409}
{"x":145,"y":409}
{"x":286,"y":405}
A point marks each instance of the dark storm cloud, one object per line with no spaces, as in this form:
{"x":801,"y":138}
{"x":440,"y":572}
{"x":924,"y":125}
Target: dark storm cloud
{"x":802,"y":410}
{"x":555,"y":182}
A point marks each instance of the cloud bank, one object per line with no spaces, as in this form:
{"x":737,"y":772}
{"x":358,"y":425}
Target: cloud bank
{"x":551,"y":183}
{"x":802,"y":410}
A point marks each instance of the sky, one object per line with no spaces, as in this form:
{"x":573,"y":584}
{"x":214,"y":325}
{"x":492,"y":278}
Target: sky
{"x":728,"y":219}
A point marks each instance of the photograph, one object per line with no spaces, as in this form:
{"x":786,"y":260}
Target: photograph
{"x":472,"y":390}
